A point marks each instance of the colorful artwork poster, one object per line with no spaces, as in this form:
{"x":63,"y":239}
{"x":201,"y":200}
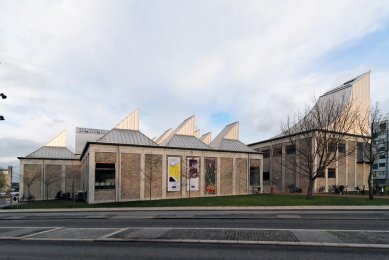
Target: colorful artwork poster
{"x":174,"y":173}
{"x":193,"y":166}
{"x":210,"y":175}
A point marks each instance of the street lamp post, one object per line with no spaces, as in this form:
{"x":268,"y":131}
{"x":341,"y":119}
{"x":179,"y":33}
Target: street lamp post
{"x":3,"y":96}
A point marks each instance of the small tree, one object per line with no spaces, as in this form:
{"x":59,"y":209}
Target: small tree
{"x":190,"y":171}
{"x":28,"y":178}
{"x":317,"y":135}
{"x":50,"y":179}
{"x":370,"y":150}
{"x":149,"y":175}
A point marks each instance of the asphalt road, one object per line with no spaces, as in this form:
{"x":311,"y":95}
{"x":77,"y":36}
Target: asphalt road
{"x":342,"y":220}
{"x":91,"y":228}
{"x":137,"y":250}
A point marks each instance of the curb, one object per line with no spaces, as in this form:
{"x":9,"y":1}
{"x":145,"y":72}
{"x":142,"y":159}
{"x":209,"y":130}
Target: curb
{"x":255,"y":208}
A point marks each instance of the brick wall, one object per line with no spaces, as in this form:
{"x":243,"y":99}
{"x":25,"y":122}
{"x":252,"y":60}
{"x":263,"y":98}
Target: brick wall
{"x":153,"y":174}
{"x":290,"y":171}
{"x":130,"y":176}
{"x":30,"y":171}
{"x":73,"y":173}
{"x":241,"y":176}
{"x":109,"y":194}
{"x":276,"y":176}
{"x":105,"y":157}
{"x":105,"y":195}
{"x":226,"y":176}
{"x":52,"y":183}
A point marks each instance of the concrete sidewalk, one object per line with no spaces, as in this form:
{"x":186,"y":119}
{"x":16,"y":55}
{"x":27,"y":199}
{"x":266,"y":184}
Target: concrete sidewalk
{"x":297,"y":237}
{"x":254,"y":208}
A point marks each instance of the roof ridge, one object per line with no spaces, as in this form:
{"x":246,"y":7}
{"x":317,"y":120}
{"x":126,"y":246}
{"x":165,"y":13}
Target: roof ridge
{"x":346,"y":84}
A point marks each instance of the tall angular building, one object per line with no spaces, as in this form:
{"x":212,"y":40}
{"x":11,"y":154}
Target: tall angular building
{"x":351,"y":171}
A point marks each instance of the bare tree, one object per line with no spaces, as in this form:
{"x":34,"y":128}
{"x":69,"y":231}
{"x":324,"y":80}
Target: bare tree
{"x":371,"y":148}
{"x":191,"y":171}
{"x":150,"y":174}
{"x":28,"y":178}
{"x":49,"y":180}
{"x":317,"y":136}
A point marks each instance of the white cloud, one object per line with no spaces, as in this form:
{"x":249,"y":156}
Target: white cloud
{"x":89,"y":63}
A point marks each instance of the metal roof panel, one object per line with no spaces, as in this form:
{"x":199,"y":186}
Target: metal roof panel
{"x":125,"y":136}
{"x":187,"y":141}
{"x":53,"y":152}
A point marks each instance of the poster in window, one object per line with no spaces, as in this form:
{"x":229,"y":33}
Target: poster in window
{"x":193,"y":166}
{"x":210,"y":175}
{"x":174,"y":173}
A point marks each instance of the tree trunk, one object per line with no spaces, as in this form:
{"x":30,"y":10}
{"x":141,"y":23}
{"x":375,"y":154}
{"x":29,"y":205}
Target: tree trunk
{"x":310,"y":188}
{"x":370,"y":182}
{"x":28,"y":191}
{"x":150,"y":193}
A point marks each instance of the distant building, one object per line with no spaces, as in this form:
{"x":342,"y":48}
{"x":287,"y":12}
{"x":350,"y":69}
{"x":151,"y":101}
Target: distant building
{"x":8,"y":178}
{"x":351,"y":172}
{"x":123,"y":164}
{"x":380,"y":144}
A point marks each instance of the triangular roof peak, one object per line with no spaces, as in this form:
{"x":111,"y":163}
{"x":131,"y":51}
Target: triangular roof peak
{"x":130,"y":122}
{"x":230,"y":132}
{"x":59,"y":141}
{"x":187,"y":127}
{"x":347,"y":84}
{"x":163,"y":136}
{"x":206,"y":138}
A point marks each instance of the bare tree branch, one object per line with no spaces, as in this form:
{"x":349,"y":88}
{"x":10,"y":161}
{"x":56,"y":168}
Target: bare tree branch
{"x":318,"y":135}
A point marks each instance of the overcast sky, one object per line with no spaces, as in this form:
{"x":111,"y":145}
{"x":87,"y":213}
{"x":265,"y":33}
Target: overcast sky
{"x":90,"y":63}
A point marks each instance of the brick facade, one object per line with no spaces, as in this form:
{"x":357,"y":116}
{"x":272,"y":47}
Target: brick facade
{"x":226,"y":176}
{"x":130,"y":176}
{"x":153,"y":176}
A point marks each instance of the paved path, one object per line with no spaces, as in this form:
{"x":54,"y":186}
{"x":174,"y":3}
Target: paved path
{"x":304,"y":237}
{"x":256,"y":208}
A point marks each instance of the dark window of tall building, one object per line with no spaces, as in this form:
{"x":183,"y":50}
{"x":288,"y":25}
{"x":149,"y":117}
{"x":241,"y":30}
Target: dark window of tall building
{"x":331,"y":147}
{"x":342,"y":148}
{"x":381,"y":156}
{"x":375,"y":166}
{"x":320,"y":173}
{"x":381,"y":149}
{"x":375,"y":135}
{"x":266,"y":176}
{"x":105,"y":176}
{"x":381,"y":165}
{"x":266,"y":153}
{"x":254,"y":176}
{"x":362,"y":152}
{"x":331,"y":173}
{"x":291,"y":149}
{"x":383,"y":126}
{"x":277,"y":151}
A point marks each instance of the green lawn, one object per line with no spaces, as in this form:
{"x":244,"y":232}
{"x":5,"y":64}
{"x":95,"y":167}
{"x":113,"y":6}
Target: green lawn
{"x":244,"y":200}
